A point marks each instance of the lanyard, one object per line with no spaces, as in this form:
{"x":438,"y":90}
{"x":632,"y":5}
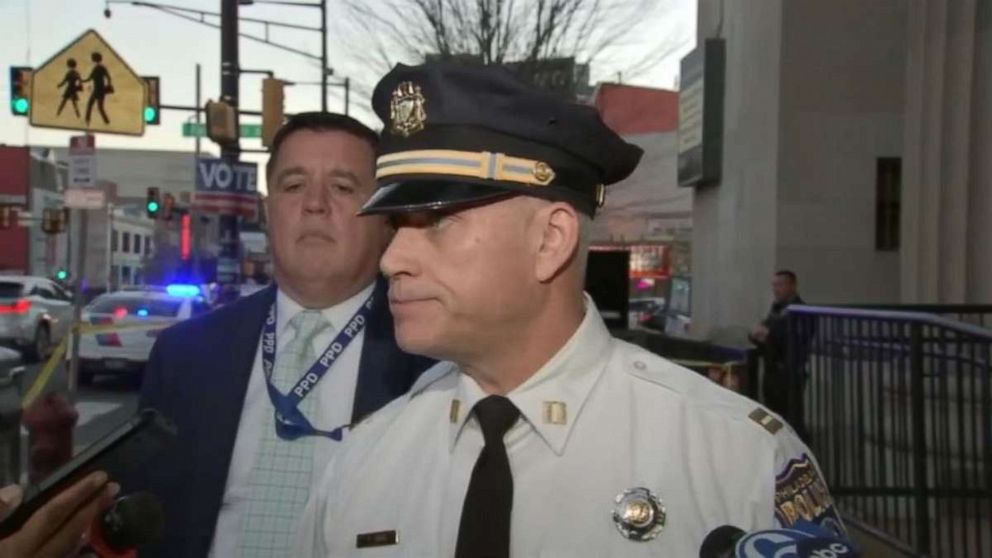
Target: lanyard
{"x":290,"y":421}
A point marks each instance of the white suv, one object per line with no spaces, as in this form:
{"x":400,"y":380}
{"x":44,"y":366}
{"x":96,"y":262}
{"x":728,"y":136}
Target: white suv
{"x":35,"y":314}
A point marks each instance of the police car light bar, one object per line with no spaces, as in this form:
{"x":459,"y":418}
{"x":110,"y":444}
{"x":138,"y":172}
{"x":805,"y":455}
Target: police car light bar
{"x":182,"y":290}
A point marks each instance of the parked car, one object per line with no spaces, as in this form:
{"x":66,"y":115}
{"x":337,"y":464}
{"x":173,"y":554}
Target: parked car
{"x":141,"y":316}
{"x":35,"y":314}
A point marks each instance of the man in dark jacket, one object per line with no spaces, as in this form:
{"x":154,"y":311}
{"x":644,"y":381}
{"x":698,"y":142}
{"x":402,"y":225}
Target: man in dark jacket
{"x":264,"y":389}
{"x":784,"y":385}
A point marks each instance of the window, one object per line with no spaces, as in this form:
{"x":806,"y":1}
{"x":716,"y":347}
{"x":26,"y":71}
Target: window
{"x":44,"y":292}
{"x":888,"y":195}
{"x":126,"y":243}
{"x":148,"y":244}
{"x":113,"y":240}
{"x":137,"y":243}
{"x":11,"y":289}
{"x":61,"y":293}
{"x":125,"y":270}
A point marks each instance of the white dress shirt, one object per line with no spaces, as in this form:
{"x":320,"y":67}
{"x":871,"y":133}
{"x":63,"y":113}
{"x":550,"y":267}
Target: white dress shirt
{"x":335,"y":393}
{"x":601,"y":417}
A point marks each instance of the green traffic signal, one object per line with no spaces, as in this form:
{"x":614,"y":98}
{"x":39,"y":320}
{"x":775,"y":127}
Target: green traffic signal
{"x":21,"y":105}
{"x":152,"y":206}
{"x":61,"y":274}
{"x":150,"y":114}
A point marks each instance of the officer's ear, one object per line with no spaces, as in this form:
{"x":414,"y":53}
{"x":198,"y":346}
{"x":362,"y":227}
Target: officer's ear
{"x":559,"y":225}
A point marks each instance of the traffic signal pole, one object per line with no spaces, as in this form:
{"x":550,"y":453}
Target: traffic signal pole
{"x":77,"y":302}
{"x":228,"y":268}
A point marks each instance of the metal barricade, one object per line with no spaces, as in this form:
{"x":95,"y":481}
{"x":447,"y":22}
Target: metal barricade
{"x":898,"y":406}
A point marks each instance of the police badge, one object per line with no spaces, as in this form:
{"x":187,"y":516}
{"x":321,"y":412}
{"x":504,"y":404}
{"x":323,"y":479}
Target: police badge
{"x":406,"y":109}
{"x":639,"y":514}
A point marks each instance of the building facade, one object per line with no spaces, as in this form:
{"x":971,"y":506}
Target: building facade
{"x":853,"y":138}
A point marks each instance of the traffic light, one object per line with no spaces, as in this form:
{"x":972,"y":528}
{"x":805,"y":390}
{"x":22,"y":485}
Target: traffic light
{"x":168,"y":203}
{"x":153,"y":102}
{"x":54,"y":220}
{"x":152,"y":204}
{"x":62,"y":274}
{"x":20,"y":90}
{"x":272,"y":108}
{"x":222,"y":122}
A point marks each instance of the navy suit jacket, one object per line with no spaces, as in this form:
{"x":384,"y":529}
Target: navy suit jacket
{"x":197,"y":376}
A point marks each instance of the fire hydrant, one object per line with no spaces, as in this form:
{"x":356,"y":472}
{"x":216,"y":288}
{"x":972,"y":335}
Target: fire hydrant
{"x":49,"y":422}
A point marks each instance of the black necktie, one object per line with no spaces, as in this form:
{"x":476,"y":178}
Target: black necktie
{"x":484,"y":531}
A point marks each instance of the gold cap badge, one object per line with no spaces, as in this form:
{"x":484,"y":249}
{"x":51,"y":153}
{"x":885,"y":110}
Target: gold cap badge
{"x":406,"y":109}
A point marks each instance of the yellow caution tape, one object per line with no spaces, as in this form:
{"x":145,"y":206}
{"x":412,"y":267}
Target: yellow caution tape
{"x":46,"y":374}
{"x":57,"y":355}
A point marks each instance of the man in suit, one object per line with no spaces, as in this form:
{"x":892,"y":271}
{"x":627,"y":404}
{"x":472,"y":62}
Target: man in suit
{"x":262,"y":390}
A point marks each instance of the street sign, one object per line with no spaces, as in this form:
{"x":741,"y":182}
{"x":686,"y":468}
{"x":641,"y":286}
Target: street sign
{"x":194,"y":130}
{"x":85,"y":198}
{"x":226,"y":188}
{"x":88,"y":86}
{"x":82,"y":161}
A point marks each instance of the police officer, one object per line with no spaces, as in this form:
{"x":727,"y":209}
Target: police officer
{"x":542,"y":435}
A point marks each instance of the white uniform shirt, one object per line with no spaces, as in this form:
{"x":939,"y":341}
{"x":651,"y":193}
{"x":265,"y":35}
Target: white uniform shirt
{"x":335,"y":393}
{"x":601,"y":417}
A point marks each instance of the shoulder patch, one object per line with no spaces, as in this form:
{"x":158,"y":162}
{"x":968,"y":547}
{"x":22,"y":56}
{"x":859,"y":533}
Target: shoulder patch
{"x":766,"y":420}
{"x":801,"y":494}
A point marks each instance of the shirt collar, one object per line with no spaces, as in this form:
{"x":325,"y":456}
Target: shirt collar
{"x":337,"y":315}
{"x":551,"y":400}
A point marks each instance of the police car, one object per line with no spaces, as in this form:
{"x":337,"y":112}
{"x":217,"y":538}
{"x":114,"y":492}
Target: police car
{"x":126,"y":324}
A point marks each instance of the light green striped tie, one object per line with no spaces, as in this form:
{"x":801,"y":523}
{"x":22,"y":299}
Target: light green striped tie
{"x":281,"y":478}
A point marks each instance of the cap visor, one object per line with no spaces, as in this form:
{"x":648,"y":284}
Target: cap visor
{"x":428,"y":195}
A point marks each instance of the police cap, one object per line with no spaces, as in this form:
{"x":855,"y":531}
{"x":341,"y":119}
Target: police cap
{"x":458,"y":135}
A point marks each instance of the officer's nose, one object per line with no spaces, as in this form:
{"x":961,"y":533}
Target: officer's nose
{"x":316,"y":199}
{"x":399,"y":258}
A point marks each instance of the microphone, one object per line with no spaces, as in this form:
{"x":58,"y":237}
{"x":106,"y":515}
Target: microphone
{"x":803,"y":540}
{"x":720,"y":542}
{"x":133,"y":520}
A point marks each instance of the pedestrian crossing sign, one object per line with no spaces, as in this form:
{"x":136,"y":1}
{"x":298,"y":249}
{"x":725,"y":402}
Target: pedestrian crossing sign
{"x":88,"y":86}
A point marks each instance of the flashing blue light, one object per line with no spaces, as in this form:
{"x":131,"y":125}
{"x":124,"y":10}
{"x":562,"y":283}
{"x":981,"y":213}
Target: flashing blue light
{"x":183,"y":290}
{"x":143,"y":312}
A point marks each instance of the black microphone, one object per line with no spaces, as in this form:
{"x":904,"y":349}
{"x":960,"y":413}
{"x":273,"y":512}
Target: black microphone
{"x":133,"y":520}
{"x":720,"y":542}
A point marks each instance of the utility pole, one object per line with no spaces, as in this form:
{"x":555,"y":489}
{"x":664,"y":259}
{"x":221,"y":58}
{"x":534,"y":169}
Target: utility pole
{"x":228,"y":267}
{"x":194,"y":223}
{"x":323,"y":56}
{"x":77,"y":303}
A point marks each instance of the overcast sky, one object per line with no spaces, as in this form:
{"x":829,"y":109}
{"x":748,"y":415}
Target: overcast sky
{"x":154,"y":43}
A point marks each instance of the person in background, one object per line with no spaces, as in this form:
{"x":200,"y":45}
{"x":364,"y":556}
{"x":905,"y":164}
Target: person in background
{"x":264,"y":389}
{"x":783,"y":386}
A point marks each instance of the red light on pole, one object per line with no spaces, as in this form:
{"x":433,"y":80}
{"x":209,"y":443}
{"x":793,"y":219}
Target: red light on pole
{"x":185,"y":236}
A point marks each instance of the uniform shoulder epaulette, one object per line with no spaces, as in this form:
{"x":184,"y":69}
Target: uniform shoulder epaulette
{"x":766,"y":420}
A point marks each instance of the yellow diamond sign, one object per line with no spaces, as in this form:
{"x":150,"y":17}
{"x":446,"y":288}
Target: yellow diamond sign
{"x":88,"y":86}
